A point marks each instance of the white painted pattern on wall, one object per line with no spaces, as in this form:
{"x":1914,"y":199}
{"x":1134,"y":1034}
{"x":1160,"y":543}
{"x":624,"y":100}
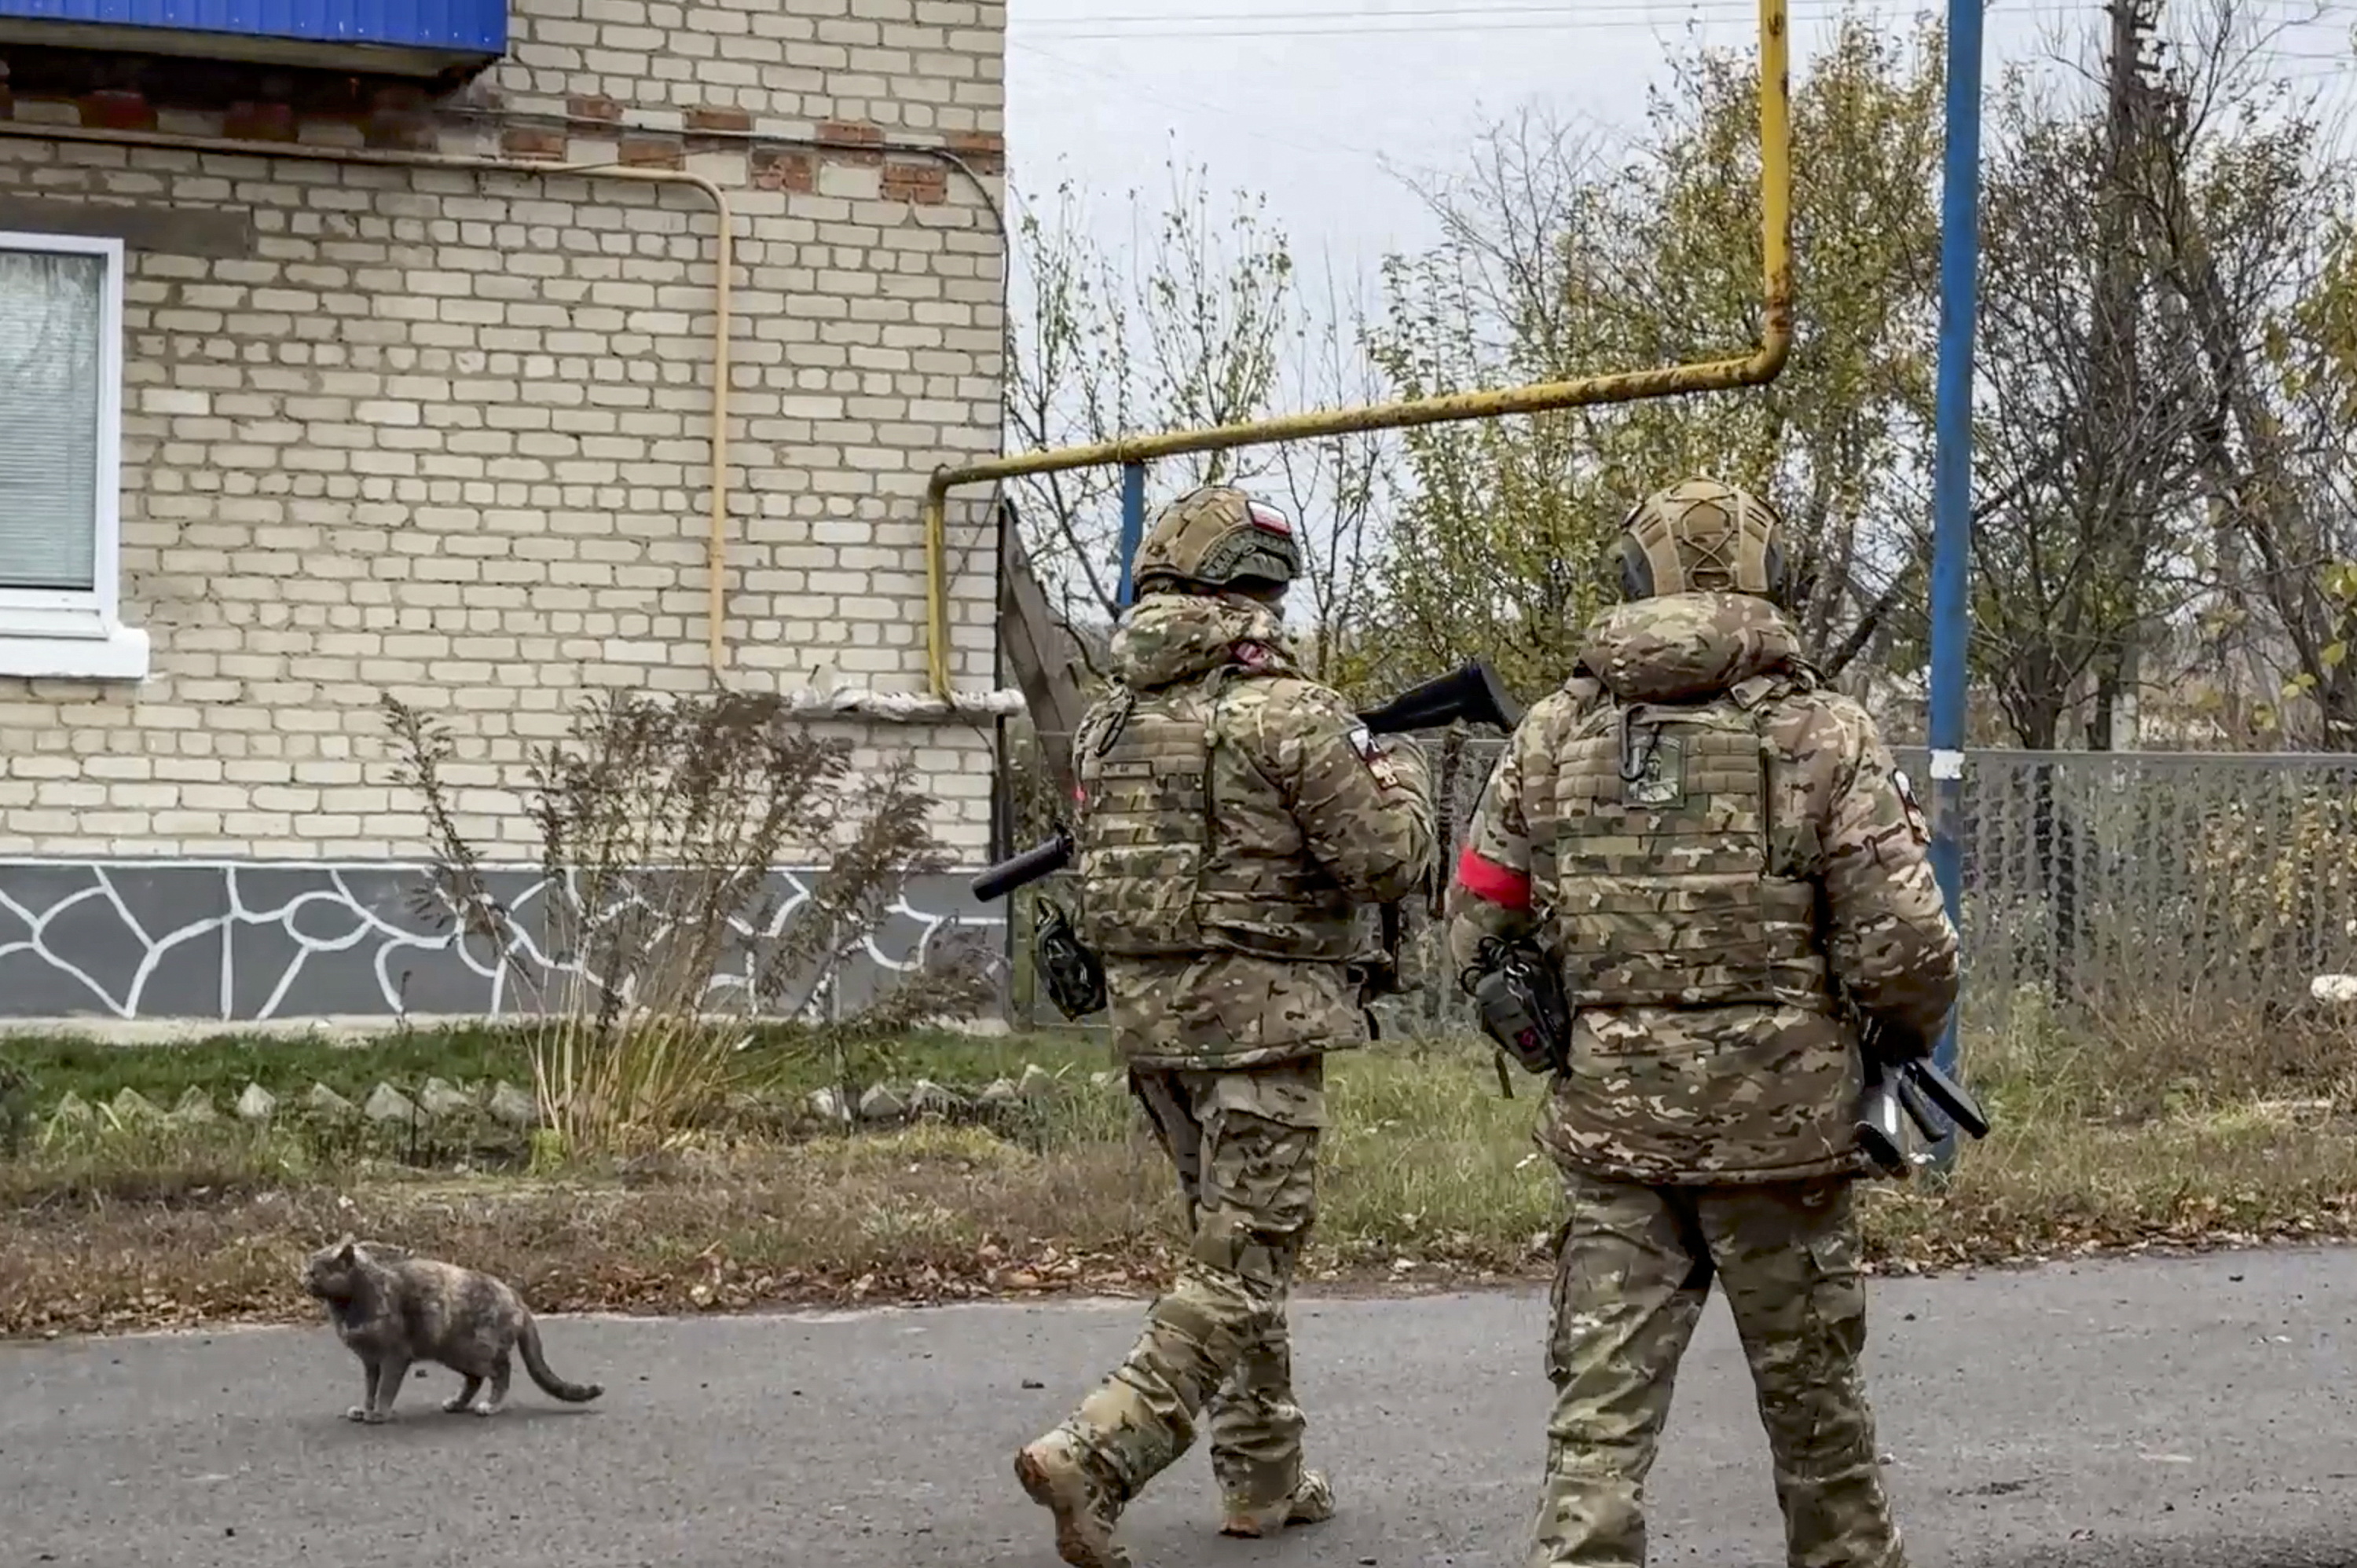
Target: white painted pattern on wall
{"x":251,"y":940}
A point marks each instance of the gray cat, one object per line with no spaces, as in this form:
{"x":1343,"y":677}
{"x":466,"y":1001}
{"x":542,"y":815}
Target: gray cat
{"x":392,"y":1310}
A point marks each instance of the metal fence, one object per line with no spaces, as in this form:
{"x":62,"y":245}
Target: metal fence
{"x":2220,"y":878}
{"x":2090,"y":876}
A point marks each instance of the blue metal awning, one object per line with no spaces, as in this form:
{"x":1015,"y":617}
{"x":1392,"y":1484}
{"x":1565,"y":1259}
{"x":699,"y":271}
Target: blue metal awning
{"x":408,"y":37}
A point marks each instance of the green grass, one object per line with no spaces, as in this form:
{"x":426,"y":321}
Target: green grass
{"x":779,"y":1062}
{"x":1424,"y":1157}
{"x":224,"y":1065}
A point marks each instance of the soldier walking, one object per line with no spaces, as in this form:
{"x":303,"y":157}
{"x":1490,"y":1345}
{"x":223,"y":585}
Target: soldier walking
{"x":1728,"y":873}
{"x":1236,"y":825}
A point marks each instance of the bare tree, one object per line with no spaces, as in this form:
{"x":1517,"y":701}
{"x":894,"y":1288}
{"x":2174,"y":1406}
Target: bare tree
{"x":2085,"y":445}
{"x":1496,"y":549}
{"x":1339,"y":489}
{"x":1201,"y":318}
{"x":2245,"y":208}
{"x":1184,"y":325}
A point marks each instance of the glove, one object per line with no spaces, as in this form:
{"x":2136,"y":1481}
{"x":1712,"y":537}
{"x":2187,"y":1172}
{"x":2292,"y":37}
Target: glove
{"x":1894,"y":1045}
{"x":1074,"y":978}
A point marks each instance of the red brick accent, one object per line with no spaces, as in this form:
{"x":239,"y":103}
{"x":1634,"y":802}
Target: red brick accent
{"x":525,"y":142}
{"x":928,"y":184}
{"x":716,"y":119}
{"x":650,"y":152}
{"x":118,"y":111}
{"x":584,"y":108}
{"x":260,"y":123}
{"x":986,"y":150}
{"x":778,"y":168}
{"x":853,"y":131}
{"x":408,"y":129}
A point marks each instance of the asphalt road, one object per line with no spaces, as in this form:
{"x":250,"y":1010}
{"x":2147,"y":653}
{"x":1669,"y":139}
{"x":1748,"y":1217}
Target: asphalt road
{"x":2183,"y":1412}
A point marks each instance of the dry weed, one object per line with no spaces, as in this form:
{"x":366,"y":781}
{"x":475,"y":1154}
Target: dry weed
{"x":659,"y":940}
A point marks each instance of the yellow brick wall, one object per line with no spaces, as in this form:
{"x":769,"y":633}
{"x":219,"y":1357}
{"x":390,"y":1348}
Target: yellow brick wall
{"x":445,"y":433}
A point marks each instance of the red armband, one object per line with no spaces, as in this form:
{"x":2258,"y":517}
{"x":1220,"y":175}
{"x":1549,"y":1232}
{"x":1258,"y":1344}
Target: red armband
{"x":1486,"y":879}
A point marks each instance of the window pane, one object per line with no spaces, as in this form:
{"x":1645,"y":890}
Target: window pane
{"x":50,"y":309}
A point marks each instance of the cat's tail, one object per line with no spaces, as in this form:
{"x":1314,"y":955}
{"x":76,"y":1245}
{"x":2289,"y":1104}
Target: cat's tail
{"x":534,"y":1363}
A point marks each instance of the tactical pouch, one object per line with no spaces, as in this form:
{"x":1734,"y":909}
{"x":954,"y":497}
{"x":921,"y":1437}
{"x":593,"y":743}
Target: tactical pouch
{"x":1521,"y":1001}
{"x":1074,"y":978}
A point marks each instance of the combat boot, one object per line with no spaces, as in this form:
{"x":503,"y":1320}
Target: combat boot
{"x":1058,"y":1473}
{"x":1312,"y":1502}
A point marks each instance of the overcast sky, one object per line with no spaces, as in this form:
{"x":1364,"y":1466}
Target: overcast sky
{"x":1305,"y":100}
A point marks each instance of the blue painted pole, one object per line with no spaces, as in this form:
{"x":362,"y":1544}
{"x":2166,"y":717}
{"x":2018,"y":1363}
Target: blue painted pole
{"x":1952,"y":477}
{"x":1133,"y":527}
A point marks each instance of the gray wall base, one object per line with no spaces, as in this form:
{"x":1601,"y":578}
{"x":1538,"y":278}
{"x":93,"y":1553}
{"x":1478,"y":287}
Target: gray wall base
{"x":233,"y":941}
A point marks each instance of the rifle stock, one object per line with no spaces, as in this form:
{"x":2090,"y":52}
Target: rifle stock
{"x":1913,"y":1087}
{"x":1877,"y":1131}
{"x":1472,"y":691}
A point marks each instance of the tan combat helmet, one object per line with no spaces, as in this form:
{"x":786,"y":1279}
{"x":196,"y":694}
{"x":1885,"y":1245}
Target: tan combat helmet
{"x":1218,"y":538}
{"x":1701,"y":536}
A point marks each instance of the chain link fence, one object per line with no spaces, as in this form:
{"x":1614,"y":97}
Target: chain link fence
{"x":2091,"y":878}
{"x":2218,"y":880}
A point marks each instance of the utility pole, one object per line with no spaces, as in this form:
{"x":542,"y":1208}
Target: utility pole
{"x":2117,"y":371}
{"x":1952,"y":478}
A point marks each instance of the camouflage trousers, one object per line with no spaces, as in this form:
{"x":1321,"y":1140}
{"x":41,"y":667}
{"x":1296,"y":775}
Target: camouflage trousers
{"x":1245,"y":1145}
{"x":1634,"y":1268}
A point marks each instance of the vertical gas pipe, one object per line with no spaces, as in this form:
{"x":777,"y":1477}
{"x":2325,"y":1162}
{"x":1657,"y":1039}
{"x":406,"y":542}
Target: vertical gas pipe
{"x":1133,"y":528}
{"x":1952,"y":477}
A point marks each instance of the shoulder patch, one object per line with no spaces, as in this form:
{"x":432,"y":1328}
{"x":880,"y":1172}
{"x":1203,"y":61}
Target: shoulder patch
{"x":1917,"y":827}
{"x":1251,"y":655}
{"x":1372,"y":753}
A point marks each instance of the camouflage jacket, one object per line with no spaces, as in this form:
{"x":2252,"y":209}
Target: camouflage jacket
{"x":1236,"y":825}
{"x":1715,"y":849}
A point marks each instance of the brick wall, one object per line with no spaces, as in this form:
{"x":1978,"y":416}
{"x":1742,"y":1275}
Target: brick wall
{"x":445,"y":433}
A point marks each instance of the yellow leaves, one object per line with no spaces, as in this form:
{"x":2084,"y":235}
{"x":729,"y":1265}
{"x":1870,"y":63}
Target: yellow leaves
{"x":1562,"y":265}
{"x":2266,"y":866}
{"x":2328,"y":315}
{"x":2276,"y":344}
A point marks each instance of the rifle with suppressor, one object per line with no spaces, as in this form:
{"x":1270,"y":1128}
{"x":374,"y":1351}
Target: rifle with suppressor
{"x":1472,"y":692}
{"x":1914,"y":1086}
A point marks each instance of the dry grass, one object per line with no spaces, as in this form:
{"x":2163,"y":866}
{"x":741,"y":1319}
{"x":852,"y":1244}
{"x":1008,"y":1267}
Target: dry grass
{"x":2176,"y":1121}
{"x":2157,"y":1133}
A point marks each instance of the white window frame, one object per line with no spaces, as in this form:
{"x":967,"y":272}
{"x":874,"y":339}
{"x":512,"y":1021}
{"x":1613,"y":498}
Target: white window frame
{"x":78,"y":633}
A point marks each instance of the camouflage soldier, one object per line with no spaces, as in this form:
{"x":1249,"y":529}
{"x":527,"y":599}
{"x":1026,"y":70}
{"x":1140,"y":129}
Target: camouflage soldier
{"x":1236,"y":825}
{"x":1718,"y":859}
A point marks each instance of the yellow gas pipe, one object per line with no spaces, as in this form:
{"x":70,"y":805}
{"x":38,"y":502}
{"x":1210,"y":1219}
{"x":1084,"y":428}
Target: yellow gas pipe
{"x":1755,"y":369}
